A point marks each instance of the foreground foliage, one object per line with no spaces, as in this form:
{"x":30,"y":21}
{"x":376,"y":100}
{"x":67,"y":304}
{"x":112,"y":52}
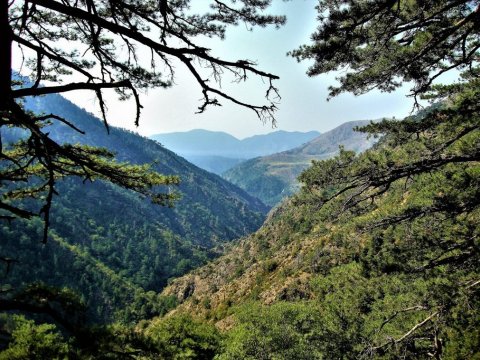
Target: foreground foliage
{"x":180,"y":337}
{"x":384,"y":43}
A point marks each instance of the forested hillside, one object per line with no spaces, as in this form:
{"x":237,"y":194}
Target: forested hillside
{"x":274,"y":177}
{"x":376,"y":256}
{"x":106,"y":239}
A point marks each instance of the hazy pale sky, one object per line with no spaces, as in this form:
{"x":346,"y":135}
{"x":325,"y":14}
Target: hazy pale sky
{"x":303,"y":106}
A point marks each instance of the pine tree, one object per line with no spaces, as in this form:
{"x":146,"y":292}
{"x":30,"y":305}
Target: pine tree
{"x":417,"y":192}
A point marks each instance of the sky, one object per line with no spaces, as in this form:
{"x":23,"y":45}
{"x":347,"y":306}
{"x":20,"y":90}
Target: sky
{"x":303,"y":105}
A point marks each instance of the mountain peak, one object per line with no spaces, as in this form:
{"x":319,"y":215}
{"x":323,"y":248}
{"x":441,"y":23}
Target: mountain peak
{"x":217,"y":151}
{"x":272,"y":178}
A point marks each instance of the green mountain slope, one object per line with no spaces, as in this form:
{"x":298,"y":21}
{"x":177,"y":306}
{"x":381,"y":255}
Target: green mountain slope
{"x":376,"y":257}
{"x":140,"y":242}
{"x":274,"y":177}
{"x":219,"y":151}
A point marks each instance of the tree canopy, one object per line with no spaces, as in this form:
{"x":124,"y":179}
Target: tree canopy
{"x":382,"y":43}
{"x":429,"y":229}
{"x":93,"y":45}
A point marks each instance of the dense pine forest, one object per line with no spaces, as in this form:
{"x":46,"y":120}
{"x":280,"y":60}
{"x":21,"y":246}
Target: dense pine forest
{"x":113,"y":247}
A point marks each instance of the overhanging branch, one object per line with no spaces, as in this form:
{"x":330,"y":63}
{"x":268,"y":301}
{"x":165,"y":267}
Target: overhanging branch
{"x":181,"y":53}
{"x":70,"y":87}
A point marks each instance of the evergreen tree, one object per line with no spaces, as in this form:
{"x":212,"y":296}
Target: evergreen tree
{"x":383,"y":43}
{"x":417,"y":192}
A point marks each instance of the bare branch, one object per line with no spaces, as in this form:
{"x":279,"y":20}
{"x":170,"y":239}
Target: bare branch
{"x":69,"y":87}
{"x":396,"y":313}
{"x":263,"y":112}
{"x":51,"y":56}
{"x":407,"y":334}
{"x":62,"y":120}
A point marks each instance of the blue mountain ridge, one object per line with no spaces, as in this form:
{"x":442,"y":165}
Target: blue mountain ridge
{"x":218,"y":151}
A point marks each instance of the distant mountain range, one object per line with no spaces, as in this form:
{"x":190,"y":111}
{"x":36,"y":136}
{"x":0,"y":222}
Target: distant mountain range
{"x":219,"y":151}
{"x":272,"y":178}
{"x":107,"y":241}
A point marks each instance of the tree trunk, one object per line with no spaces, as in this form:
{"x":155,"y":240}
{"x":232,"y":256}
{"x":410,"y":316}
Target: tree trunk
{"x":5,"y":57}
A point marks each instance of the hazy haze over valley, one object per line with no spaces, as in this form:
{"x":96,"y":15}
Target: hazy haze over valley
{"x":219,"y":151}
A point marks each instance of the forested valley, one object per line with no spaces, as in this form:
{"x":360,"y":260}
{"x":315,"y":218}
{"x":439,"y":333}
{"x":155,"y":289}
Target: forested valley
{"x":114,"y":247}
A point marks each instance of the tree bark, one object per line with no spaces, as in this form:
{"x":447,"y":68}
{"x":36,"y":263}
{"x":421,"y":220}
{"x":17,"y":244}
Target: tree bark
{"x":5,"y":57}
